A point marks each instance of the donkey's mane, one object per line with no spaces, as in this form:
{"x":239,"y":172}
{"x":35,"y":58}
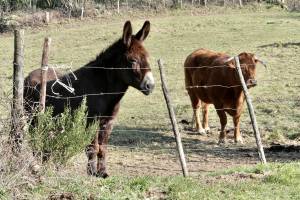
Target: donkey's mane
{"x":104,"y":58}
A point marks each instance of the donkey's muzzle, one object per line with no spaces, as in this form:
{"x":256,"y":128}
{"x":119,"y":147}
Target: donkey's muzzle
{"x":147,"y":84}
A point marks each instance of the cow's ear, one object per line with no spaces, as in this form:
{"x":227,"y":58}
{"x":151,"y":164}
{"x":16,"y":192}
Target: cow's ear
{"x":127,"y":33}
{"x":144,"y":32}
{"x":257,"y":60}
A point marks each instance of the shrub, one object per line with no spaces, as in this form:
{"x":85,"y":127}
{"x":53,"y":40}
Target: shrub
{"x":59,"y":138}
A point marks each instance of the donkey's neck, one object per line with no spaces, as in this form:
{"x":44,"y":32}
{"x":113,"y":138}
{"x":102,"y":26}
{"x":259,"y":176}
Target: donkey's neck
{"x":107,"y":58}
{"x":98,"y":75}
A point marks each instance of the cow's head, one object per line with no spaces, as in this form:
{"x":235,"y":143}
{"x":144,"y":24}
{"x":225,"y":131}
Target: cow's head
{"x":248,"y":63}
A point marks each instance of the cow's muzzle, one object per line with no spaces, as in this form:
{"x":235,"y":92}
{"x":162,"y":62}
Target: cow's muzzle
{"x":251,"y":83}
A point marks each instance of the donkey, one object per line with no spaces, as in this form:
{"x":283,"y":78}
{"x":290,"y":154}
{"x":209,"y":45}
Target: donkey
{"x":103,"y":82}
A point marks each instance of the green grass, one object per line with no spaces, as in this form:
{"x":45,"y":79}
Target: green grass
{"x":172,"y":38}
{"x":143,"y":122}
{"x":272,"y":181}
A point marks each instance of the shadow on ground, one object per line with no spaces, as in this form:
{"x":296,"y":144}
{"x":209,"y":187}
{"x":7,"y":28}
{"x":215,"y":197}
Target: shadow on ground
{"x":277,"y":44}
{"x":199,"y":146}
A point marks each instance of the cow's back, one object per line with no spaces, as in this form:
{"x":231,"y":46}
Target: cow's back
{"x":199,"y":60}
{"x":207,"y":68}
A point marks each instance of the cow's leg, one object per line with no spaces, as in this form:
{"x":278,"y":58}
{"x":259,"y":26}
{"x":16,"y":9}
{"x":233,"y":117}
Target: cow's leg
{"x":223,"y":121}
{"x":196,"y":103}
{"x":237,"y":133}
{"x":205,"y":117}
{"x":199,"y":127}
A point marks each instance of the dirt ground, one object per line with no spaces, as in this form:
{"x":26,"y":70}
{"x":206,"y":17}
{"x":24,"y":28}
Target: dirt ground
{"x":126,"y":157}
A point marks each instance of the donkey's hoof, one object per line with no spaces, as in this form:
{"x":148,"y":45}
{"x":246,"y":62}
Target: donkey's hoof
{"x":91,"y":169}
{"x":102,"y":175}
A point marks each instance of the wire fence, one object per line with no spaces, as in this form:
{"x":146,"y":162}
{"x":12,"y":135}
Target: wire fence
{"x":143,"y":123}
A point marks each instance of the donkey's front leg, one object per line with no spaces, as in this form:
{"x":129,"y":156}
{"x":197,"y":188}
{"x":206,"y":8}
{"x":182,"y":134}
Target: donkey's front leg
{"x":103,"y":136}
{"x":96,"y":151}
{"x":92,"y":151}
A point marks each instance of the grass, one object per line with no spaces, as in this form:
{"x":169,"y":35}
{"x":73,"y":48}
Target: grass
{"x":172,"y":38}
{"x":272,"y":181}
{"x":142,"y":138}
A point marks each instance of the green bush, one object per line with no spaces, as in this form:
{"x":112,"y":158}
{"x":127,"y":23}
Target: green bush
{"x":59,"y":138}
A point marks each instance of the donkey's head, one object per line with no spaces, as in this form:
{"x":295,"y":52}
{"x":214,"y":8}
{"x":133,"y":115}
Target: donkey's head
{"x":137,"y":72}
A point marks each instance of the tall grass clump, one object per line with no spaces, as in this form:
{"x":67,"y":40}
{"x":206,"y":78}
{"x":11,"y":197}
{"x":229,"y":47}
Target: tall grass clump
{"x":60,"y":138}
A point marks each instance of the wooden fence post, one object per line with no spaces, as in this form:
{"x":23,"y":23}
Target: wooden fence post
{"x":251,"y":112}
{"x":47,"y":17}
{"x":44,"y":72}
{"x":118,"y":6}
{"x":173,"y":119}
{"x":17,"y":114}
{"x":241,"y":3}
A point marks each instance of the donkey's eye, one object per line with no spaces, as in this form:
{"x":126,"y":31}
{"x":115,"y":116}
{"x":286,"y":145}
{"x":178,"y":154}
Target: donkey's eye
{"x":133,"y":61}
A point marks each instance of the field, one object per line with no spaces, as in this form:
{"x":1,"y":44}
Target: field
{"x":142,"y":157}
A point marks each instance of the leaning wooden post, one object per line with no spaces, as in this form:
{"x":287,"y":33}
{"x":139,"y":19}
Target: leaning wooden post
{"x":18,"y":123}
{"x":44,"y":72}
{"x":47,"y":17}
{"x":173,"y":120}
{"x":251,"y":112}
{"x":118,"y":6}
{"x":241,"y":3}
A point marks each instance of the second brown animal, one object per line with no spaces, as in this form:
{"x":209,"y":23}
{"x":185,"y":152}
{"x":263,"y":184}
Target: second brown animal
{"x":211,"y":78}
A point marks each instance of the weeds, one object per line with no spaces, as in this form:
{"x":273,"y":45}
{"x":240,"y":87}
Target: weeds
{"x":60,"y":138}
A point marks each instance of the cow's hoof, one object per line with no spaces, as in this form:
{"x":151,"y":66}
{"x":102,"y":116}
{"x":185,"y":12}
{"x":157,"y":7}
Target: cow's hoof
{"x":222,"y":141}
{"x":201,"y":131}
{"x":102,"y":175}
{"x":207,"y":130}
{"x":239,"y":140}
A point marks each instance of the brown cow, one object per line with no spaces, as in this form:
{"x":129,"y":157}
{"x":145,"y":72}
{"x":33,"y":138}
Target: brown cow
{"x":211,"y":78}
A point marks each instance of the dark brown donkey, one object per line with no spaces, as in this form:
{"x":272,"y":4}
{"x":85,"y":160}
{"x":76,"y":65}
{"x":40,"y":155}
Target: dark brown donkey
{"x":104,"y":82}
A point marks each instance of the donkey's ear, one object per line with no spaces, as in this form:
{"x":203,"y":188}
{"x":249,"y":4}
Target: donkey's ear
{"x":127,"y":33}
{"x":143,"y":33}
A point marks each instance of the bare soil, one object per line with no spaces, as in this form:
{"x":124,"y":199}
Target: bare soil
{"x":157,"y":156}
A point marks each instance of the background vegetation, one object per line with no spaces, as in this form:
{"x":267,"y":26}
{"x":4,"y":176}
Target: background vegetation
{"x":10,"y":5}
{"x":142,"y":158}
